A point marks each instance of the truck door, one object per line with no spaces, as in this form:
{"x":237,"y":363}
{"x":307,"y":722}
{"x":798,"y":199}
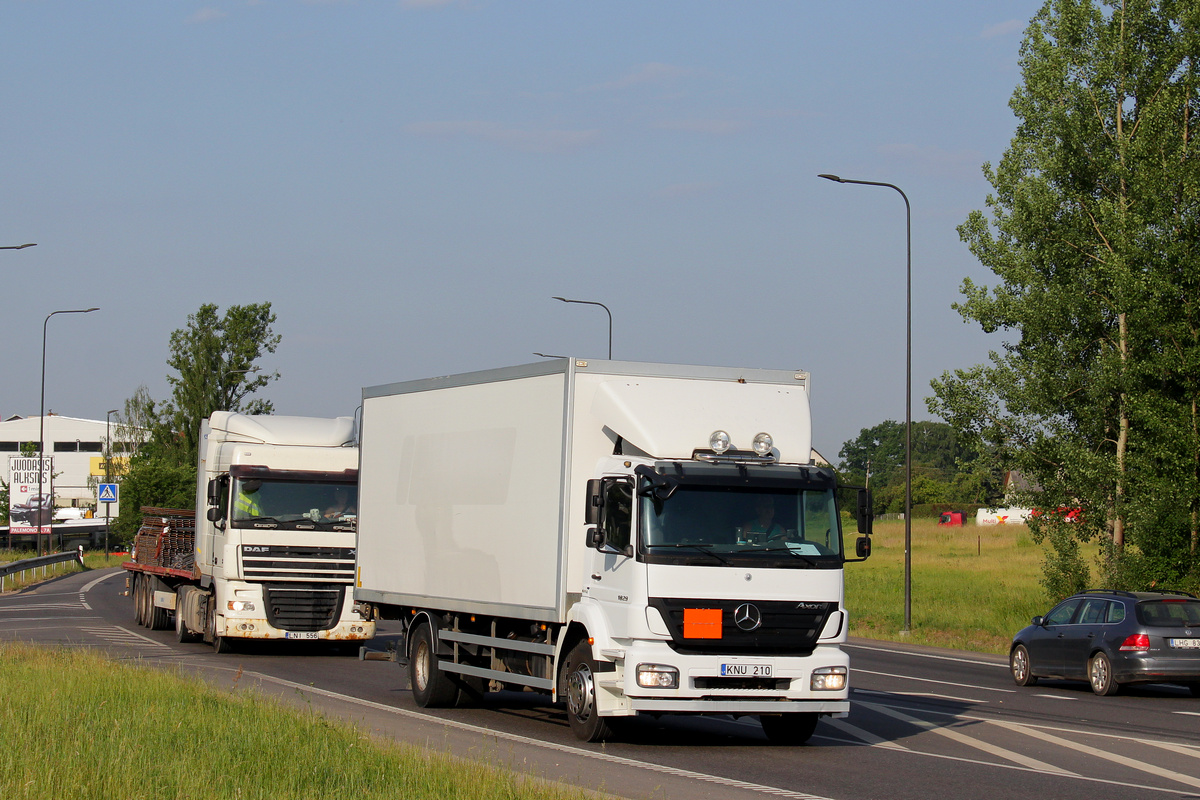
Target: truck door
{"x":213,"y":541}
{"x":611,"y":574}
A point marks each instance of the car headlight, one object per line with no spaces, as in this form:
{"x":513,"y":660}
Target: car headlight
{"x":828,"y":679}
{"x":657,"y":676}
{"x":241,"y":605}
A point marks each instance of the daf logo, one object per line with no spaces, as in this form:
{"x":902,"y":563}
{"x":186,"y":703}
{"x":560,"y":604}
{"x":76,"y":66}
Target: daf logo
{"x":747,"y":616}
{"x":246,"y":548}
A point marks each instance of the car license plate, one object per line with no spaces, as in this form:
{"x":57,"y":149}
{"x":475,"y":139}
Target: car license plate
{"x":746,"y":670}
{"x":300,"y":634}
{"x":1185,"y":644}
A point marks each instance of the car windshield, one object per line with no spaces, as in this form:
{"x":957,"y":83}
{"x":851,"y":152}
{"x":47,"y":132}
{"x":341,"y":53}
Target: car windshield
{"x":741,"y":526}
{"x":1169,"y":613}
{"x":289,"y":504}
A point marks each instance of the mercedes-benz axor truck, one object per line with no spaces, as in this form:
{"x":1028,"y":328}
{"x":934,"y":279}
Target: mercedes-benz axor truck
{"x":630,"y":538}
{"x":268,"y":551}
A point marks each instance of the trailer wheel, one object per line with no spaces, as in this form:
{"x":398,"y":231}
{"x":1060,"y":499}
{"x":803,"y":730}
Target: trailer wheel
{"x":579,"y":678}
{"x":136,"y":594}
{"x":157,"y":619}
{"x":431,"y":687}
{"x":788,"y":729}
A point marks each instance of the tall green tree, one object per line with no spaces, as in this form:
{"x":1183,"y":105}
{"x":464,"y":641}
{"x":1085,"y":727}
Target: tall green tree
{"x":1094,"y":235}
{"x":214,"y":368}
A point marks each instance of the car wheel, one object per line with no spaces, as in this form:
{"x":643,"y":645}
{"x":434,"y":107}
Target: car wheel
{"x":1100,"y":675}
{"x":1018,"y":664}
{"x":579,"y":678}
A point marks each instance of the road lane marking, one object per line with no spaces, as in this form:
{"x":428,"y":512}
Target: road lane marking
{"x":863,"y":735}
{"x":931,"y":680}
{"x":945,"y":697}
{"x":1116,"y":758}
{"x":115,"y":634}
{"x":927,"y":655}
{"x":1182,"y":749}
{"x":41,"y":607}
{"x":1188,"y":713}
{"x":970,"y":741}
{"x":88,"y":587}
{"x":1056,"y":696}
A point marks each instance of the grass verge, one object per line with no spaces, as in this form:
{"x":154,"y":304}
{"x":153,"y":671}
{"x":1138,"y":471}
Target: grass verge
{"x":91,"y":560}
{"x":972,"y":587}
{"x":82,"y":726}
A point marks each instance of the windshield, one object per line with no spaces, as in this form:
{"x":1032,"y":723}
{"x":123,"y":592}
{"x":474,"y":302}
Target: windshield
{"x":295,"y":505}
{"x":740,"y":526}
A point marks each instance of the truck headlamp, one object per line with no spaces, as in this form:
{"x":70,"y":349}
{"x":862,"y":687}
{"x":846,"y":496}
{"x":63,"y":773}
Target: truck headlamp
{"x":718,"y":441}
{"x":657,"y":676}
{"x":828,"y":679}
{"x":241,"y":605}
{"x":763,"y":443}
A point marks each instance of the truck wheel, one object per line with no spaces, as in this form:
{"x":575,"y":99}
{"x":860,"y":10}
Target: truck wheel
{"x":136,"y":594}
{"x":788,"y":729}
{"x":182,"y":634}
{"x":579,"y":679}
{"x":157,"y":619}
{"x":431,"y":687}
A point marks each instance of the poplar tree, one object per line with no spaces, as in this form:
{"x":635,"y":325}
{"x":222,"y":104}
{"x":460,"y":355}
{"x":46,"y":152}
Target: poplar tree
{"x":1094,"y":235}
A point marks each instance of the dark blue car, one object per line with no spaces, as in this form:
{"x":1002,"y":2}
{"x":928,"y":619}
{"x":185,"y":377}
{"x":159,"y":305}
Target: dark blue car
{"x":1112,"y":638}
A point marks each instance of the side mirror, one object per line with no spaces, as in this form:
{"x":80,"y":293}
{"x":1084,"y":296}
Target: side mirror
{"x":214,"y":495}
{"x":595,"y":501}
{"x":862,"y":547}
{"x":214,"y":515}
{"x":595,"y":537}
{"x":1038,"y":621}
{"x":864,"y":513}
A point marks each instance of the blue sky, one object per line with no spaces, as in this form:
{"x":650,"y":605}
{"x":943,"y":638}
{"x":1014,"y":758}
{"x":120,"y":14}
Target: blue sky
{"x":410,"y":182}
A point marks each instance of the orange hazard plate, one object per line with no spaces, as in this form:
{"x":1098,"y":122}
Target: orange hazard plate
{"x":702,"y":623}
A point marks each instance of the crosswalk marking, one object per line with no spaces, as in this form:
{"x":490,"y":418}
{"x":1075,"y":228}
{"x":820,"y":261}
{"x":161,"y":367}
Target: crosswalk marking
{"x":862,"y":735}
{"x":119,"y":635}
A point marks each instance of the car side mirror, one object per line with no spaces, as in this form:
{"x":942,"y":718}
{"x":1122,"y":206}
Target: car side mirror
{"x":1038,"y":621}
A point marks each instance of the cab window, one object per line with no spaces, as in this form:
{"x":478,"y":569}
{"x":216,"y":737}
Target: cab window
{"x":618,"y":514}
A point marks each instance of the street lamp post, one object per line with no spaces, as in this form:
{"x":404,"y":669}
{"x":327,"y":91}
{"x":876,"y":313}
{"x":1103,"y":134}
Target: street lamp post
{"x":42,"y":429}
{"x":594,"y":303}
{"x":907,"y":403}
{"x":107,"y":472}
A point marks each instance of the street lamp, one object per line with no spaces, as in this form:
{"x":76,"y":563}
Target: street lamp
{"x":42,"y":427}
{"x":907,"y":404}
{"x":547,"y":355}
{"x":594,"y":303}
{"x":18,"y":246}
{"x":107,"y":471}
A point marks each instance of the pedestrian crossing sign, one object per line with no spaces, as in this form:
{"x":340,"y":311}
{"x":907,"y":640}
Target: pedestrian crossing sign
{"x":108,"y":493}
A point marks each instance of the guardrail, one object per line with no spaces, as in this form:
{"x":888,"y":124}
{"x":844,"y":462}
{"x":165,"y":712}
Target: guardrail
{"x":27,"y":564}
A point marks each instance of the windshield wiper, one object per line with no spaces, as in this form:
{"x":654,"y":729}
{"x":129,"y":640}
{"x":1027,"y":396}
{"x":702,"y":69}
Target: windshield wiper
{"x":703,"y":548}
{"x":788,"y":550}
{"x":251,"y":520}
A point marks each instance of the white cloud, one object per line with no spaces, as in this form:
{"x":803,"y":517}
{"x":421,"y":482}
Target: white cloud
{"x":652,"y":73}
{"x":207,"y":14}
{"x":530,"y":140}
{"x":1002,"y":29}
{"x":717,"y":127}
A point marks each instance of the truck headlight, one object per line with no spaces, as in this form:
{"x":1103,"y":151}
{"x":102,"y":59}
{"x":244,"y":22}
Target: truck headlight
{"x":241,"y":605}
{"x":719,"y":441}
{"x":828,"y":679}
{"x":657,"y":676}
{"x":763,"y":443}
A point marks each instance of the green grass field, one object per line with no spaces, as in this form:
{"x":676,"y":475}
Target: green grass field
{"x":91,"y":560}
{"x":972,"y":587}
{"x":78,"y":725}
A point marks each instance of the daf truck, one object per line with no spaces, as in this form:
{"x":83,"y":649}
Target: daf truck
{"x":268,"y":550}
{"x":629,"y":538}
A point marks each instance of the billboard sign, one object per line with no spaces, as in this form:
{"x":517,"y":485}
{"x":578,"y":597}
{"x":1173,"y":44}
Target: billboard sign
{"x":28,"y":511}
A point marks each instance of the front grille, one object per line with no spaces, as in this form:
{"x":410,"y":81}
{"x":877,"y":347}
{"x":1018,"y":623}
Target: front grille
{"x":300,"y":607}
{"x":280,"y":562}
{"x":788,"y":628}
{"x":744,"y":684}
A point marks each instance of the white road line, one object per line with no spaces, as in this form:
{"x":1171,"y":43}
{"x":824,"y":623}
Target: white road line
{"x":926,"y":655}
{"x":40,"y":607}
{"x":88,"y":587}
{"x":117,"y":633}
{"x":1182,"y":749}
{"x":854,"y":670}
{"x":862,"y":735}
{"x":1188,"y":713}
{"x":1116,"y":758}
{"x":1056,"y":696}
{"x":945,"y":697}
{"x":600,"y":755}
{"x":970,"y":741}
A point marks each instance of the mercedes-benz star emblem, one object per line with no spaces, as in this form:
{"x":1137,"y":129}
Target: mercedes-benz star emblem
{"x":747,"y":616}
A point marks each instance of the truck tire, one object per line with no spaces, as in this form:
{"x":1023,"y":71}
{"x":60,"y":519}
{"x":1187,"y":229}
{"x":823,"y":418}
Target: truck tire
{"x":431,"y":687}
{"x":221,"y":645}
{"x":182,"y":633}
{"x":136,"y":594}
{"x":578,"y":677}
{"x":157,"y":619}
{"x":788,"y":729}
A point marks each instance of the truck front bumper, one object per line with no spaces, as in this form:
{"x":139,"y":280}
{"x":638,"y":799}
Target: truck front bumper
{"x":715,"y":684}
{"x":259,"y":628}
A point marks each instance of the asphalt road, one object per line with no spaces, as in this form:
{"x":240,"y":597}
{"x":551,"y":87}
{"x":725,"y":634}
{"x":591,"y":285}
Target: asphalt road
{"x":926,"y":723}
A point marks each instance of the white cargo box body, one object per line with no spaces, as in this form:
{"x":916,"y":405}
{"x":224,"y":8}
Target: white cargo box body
{"x":472,"y":487}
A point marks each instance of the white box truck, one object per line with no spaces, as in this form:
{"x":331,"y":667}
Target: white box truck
{"x":268,"y":552}
{"x":631,"y":538}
